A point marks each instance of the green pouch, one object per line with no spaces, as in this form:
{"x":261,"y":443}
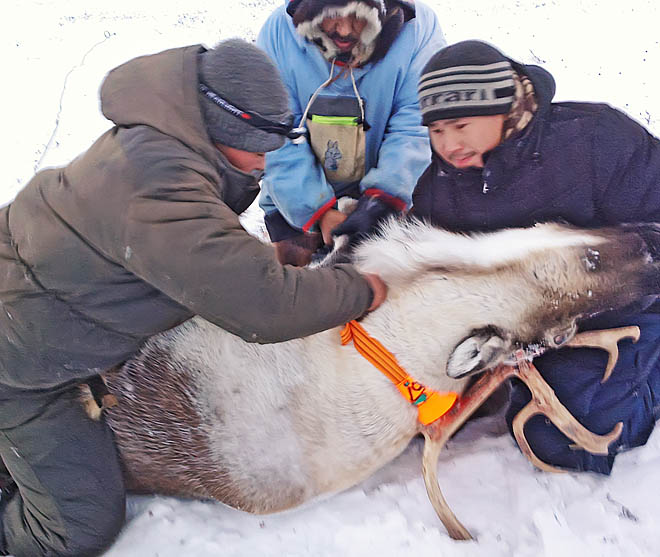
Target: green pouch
{"x":338,"y":141}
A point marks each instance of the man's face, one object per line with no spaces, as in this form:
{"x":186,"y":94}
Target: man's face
{"x":343,"y":31}
{"x":462,"y":142}
{"x":243,"y":160}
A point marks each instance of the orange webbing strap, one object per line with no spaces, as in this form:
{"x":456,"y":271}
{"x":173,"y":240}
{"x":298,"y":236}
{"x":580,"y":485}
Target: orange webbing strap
{"x":430,"y":404}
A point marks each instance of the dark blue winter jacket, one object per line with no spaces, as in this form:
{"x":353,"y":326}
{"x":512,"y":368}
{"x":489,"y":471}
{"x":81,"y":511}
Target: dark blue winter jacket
{"x":589,"y":165}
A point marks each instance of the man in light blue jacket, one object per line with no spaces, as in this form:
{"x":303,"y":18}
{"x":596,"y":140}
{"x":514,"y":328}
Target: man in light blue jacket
{"x":351,"y":68}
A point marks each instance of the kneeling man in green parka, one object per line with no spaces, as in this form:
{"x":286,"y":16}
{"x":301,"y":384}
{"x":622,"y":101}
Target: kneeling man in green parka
{"x":136,"y":235}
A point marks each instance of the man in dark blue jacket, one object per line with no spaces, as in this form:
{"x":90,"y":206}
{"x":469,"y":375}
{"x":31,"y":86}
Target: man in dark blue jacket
{"x":504,"y":155}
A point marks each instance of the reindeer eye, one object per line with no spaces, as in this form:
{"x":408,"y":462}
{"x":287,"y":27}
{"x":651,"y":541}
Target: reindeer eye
{"x":591,"y":260}
{"x":560,"y":339}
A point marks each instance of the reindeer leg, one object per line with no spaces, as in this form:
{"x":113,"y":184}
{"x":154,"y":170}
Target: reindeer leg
{"x":102,"y":396}
{"x":96,"y":397}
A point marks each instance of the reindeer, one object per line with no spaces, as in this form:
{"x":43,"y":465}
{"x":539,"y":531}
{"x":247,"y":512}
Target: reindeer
{"x":264,"y":428}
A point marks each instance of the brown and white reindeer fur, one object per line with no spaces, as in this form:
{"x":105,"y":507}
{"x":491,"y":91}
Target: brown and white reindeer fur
{"x":264,"y":428}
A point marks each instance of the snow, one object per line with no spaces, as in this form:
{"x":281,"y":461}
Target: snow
{"x":55,"y":56}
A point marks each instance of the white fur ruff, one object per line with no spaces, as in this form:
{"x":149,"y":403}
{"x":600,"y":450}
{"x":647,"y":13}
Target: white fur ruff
{"x":362,"y":51}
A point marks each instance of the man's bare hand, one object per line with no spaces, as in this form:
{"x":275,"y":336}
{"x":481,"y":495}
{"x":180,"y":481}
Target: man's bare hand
{"x":378,"y":287}
{"x":330,"y":219}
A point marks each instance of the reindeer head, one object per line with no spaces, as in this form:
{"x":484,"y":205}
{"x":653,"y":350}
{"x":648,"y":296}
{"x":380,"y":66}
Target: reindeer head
{"x":481,"y":297}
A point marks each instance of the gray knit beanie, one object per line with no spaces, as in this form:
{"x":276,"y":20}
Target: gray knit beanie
{"x":470,"y":78}
{"x":243,"y":75}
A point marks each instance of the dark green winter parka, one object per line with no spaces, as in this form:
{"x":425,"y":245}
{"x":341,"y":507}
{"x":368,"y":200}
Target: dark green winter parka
{"x":138,"y":234}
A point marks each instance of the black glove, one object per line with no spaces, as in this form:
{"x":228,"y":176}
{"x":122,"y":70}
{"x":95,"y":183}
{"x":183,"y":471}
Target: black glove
{"x":363,"y":220}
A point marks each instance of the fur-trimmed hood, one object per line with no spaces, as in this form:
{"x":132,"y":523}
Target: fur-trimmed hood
{"x":384,"y":21}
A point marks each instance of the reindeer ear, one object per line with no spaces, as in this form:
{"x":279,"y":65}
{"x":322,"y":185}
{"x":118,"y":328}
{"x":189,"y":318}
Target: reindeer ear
{"x":483,"y":349}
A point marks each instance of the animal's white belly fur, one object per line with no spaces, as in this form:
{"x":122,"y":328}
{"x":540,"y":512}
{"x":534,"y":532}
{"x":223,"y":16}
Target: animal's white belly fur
{"x":298,"y":416}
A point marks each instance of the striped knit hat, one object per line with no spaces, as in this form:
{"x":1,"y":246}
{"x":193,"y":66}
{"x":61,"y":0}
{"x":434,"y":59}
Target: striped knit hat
{"x":470,"y":78}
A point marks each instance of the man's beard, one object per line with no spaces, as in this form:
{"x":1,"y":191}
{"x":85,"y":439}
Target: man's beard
{"x":344,"y":38}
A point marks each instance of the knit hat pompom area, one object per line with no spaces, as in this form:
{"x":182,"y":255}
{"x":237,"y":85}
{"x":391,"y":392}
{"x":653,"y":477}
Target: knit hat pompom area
{"x":469,"y":78}
{"x":243,"y":75}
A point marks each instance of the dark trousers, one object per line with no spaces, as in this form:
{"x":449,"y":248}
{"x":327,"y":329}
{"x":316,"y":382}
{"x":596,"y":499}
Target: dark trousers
{"x":70,"y":498}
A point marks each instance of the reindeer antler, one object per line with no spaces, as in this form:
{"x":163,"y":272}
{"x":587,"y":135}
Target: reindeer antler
{"x":606,"y":339}
{"x":544,"y":401}
{"x":439,"y":432}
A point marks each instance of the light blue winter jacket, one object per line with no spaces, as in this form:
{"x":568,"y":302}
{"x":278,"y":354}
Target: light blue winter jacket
{"x":397,"y":145}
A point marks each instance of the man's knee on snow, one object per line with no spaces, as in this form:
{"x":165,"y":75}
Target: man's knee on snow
{"x":94,"y":531}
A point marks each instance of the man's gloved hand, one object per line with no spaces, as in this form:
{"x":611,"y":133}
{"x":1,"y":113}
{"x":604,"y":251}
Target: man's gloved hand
{"x":368,"y":213}
{"x":297,"y":250}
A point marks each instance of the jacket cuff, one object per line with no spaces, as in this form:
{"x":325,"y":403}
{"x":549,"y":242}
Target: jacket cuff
{"x":390,"y":200}
{"x":278,"y":228}
{"x":319,"y":213}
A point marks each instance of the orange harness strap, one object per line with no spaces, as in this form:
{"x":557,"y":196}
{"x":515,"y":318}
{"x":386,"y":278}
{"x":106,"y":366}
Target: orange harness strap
{"x":430,"y":404}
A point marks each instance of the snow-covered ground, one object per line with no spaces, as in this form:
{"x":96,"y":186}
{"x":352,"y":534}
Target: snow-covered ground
{"x":55,"y":55}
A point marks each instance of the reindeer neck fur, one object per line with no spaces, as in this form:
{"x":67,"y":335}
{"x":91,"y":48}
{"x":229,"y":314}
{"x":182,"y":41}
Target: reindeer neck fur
{"x":443,"y":285}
